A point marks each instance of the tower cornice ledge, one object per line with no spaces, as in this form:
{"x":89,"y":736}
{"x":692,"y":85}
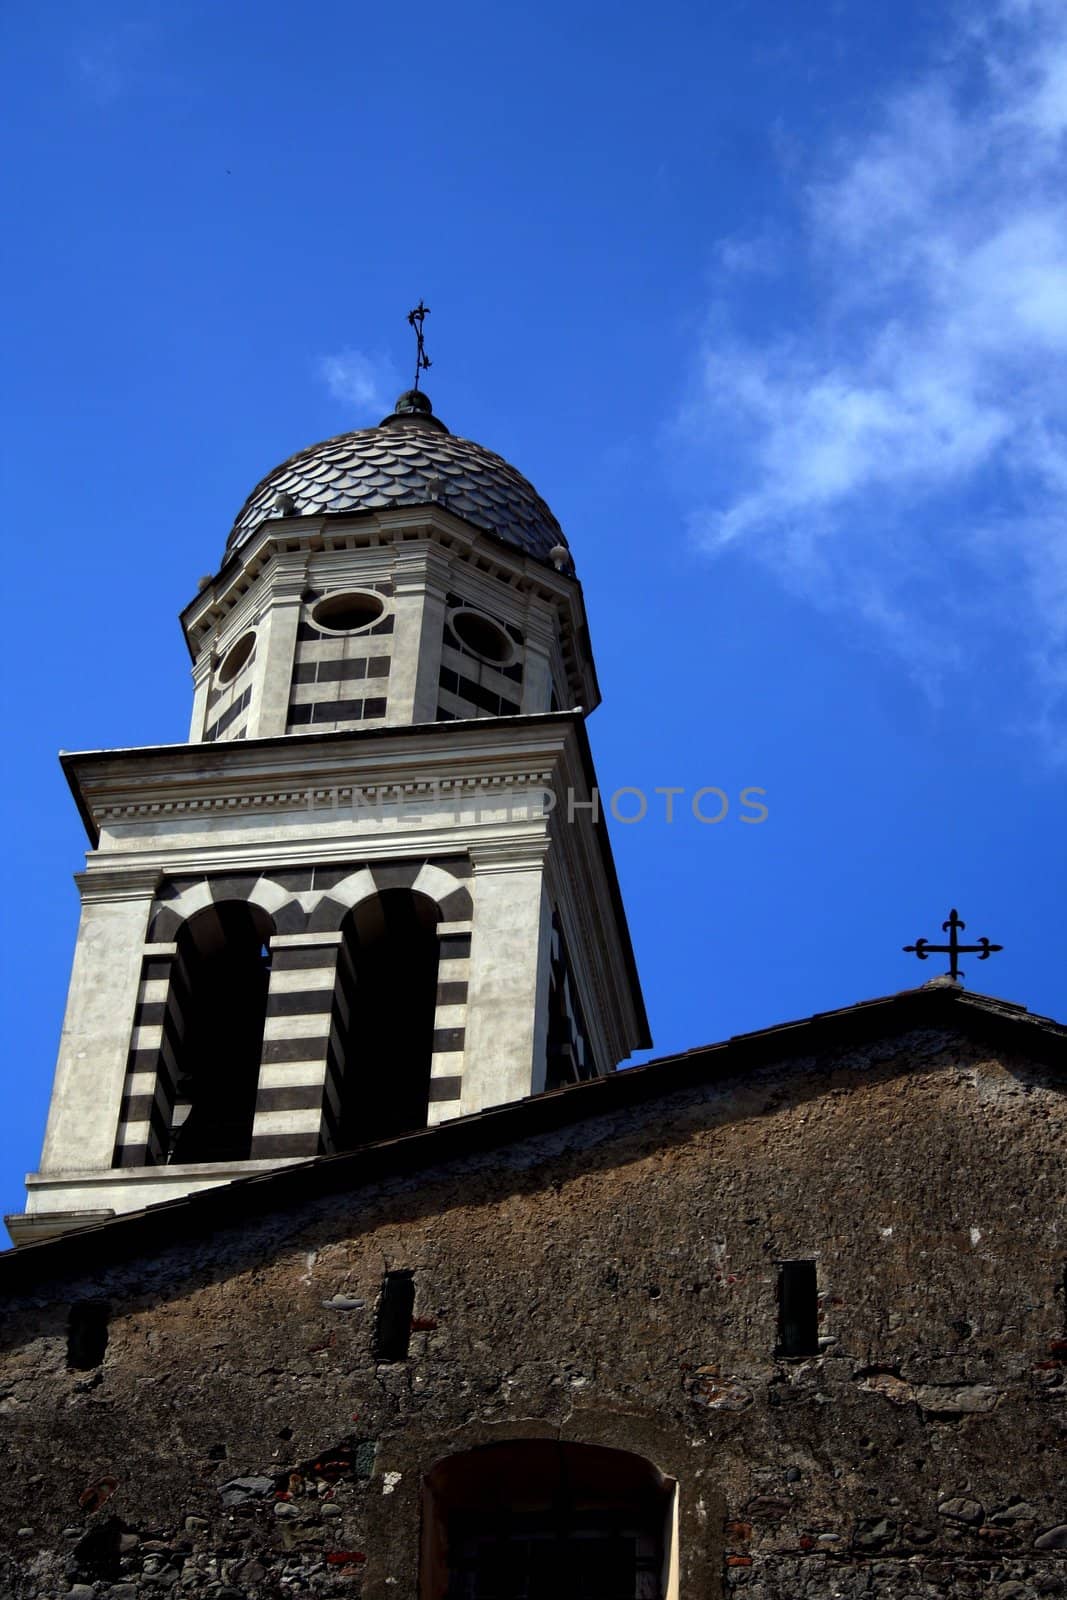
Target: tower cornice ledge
{"x":119,"y":882}
{"x":162,"y":783}
{"x":509,"y":855}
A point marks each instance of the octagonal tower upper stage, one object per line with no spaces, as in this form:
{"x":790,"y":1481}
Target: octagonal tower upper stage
{"x":409,"y":459}
{"x":391,"y":575}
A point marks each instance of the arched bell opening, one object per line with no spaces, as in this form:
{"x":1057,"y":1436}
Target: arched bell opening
{"x":391,"y":950}
{"x":223,"y":957}
{"x":541,"y":1519}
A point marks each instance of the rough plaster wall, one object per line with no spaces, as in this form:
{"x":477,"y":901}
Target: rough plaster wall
{"x":613,"y":1283}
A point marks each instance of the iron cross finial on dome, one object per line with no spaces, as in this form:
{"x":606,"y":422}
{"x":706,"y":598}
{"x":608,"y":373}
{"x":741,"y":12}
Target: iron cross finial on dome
{"x":923,"y":948}
{"x":416,"y":319}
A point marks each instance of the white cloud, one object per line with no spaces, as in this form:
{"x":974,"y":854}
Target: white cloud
{"x":365,"y":384}
{"x":904,"y":452}
{"x":755,"y":253}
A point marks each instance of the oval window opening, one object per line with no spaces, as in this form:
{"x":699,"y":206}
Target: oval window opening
{"x":481,"y":636}
{"x":238,"y":657}
{"x":346,"y":612}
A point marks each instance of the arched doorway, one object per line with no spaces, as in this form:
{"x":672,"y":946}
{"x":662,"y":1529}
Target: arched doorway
{"x":541,"y":1519}
{"x":223,"y":969}
{"x":391,"y":960}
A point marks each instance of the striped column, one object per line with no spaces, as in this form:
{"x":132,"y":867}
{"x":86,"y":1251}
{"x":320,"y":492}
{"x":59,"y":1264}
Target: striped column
{"x":568,"y":1040}
{"x":298,"y":1101}
{"x":146,"y":1117}
{"x":450,"y":1020}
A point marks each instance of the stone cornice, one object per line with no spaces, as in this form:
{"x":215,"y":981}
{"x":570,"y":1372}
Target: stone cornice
{"x":112,"y":883}
{"x":418,"y":564}
{"x":489,"y":754}
{"x":509,"y":855}
{"x":202,"y":667}
{"x":320,"y":797}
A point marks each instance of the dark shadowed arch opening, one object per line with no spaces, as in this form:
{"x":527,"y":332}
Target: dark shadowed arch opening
{"x":391,"y":950}
{"x":540,"y":1519}
{"x":224,"y":963}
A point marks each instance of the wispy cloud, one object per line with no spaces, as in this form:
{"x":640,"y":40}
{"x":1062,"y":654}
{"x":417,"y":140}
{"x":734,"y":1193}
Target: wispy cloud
{"x":101,"y":73}
{"x":365,"y":384}
{"x":904,"y":450}
{"x":110,"y":63}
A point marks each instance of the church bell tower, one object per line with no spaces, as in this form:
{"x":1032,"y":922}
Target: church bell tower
{"x":373,"y":891}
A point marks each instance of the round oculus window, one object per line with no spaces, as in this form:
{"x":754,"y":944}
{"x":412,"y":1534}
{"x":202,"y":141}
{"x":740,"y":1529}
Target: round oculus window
{"x":345,"y":613}
{"x":237,"y":658}
{"x":482,"y":637}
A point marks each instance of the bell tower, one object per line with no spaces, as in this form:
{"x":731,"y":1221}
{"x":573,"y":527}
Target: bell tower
{"x":373,"y":891}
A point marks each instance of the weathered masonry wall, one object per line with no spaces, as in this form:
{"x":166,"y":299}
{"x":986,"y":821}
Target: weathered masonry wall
{"x":612,"y":1283}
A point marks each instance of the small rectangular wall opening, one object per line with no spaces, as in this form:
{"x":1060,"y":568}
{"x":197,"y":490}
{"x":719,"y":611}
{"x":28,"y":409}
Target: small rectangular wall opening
{"x":392,"y":1329}
{"x":798,"y":1309}
{"x":87,"y":1335}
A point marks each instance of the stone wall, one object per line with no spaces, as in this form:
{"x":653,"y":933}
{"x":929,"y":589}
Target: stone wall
{"x":611,"y":1282}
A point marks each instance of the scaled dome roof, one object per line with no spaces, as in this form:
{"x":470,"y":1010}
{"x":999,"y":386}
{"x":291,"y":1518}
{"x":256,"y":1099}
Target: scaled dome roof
{"x":409,"y":459}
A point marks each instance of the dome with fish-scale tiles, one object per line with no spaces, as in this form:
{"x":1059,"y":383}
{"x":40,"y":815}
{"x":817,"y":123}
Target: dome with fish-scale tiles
{"x":409,"y":459}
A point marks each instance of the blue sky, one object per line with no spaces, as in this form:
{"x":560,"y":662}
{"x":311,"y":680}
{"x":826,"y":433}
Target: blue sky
{"x":769,"y":301}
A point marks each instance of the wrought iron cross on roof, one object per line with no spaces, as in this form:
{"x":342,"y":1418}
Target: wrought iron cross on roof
{"x":953,"y":927}
{"x":416,"y":319}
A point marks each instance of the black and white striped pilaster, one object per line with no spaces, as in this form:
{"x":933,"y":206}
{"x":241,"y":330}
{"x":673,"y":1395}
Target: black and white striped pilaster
{"x":569,"y":1057}
{"x":147,"y":1111}
{"x":450,"y":1020}
{"x":299,"y":1096}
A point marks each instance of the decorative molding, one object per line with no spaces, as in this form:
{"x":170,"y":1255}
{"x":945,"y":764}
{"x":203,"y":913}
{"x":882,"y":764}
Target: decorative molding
{"x":509,"y":855}
{"x":321,"y":798}
{"x":420,"y":565}
{"x":281,"y":799}
{"x":102,"y":884}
